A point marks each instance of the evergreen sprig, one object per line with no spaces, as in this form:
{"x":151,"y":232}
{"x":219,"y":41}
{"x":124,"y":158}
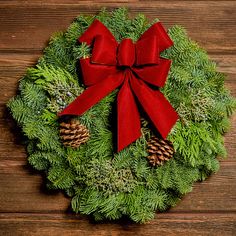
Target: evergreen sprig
{"x":101,"y":182}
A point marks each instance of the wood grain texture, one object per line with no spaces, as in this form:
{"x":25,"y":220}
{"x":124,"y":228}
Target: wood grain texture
{"x":206,"y":21}
{"x":164,"y":224}
{"x":27,"y":207}
{"x":24,"y":186}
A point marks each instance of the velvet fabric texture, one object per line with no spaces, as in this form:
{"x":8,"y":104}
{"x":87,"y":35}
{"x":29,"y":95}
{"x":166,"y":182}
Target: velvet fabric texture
{"x":136,"y":69}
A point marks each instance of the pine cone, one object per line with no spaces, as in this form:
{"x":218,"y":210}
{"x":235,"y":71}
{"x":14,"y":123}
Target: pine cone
{"x":159,"y":150}
{"x":73,"y":134}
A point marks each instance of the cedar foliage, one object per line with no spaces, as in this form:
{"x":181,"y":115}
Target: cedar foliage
{"x":101,"y":182}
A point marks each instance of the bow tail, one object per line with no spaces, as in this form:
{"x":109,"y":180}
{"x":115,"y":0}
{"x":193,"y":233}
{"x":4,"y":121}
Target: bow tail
{"x":128,"y":117}
{"x":93,"y":95}
{"x":160,"y":111}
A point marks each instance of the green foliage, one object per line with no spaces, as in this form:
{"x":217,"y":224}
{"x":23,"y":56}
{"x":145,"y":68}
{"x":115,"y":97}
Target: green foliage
{"x":109,"y":185}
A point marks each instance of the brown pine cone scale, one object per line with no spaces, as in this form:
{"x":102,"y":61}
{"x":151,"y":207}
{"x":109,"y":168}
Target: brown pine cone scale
{"x":159,"y":150}
{"x":73,"y":134}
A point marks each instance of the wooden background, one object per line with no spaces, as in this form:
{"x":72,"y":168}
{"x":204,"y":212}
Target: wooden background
{"x":26,"y":207}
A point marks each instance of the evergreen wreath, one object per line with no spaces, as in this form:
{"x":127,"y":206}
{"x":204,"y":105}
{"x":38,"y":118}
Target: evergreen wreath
{"x":101,"y":182}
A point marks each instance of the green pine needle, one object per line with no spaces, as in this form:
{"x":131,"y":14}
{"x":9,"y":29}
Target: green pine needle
{"x":101,"y":182}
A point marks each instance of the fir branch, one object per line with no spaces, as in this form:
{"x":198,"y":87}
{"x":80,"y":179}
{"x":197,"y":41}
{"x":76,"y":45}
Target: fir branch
{"x":107,"y":184}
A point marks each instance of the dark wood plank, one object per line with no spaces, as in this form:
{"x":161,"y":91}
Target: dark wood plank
{"x":216,"y":194}
{"x":210,"y":209}
{"x":164,"y":224}
{"x":23,"y":190}
{"x":22,"y":187}
{"x":226,"y":63}
{"x":212,"y":24}
{"x":13,"y":66}
{"x":11,"y":138}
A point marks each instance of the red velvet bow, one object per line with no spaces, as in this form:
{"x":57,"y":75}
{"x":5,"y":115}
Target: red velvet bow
{"x":130,"y":66}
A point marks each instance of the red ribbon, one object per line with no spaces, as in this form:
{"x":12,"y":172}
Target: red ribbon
{"x":130,"y":66}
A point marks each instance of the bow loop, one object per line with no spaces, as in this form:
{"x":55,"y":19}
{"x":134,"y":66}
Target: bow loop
{"x":95,"y":29}
{"x":147,"y":51}
{"x":163,"y":39}
{"x":104,"y":50}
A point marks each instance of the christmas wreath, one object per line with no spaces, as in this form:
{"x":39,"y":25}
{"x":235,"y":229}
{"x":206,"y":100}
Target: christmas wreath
{"x":109,"y":69}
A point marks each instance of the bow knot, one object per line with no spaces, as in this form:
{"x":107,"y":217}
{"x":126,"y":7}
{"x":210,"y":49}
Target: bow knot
{"x":132,"y":67}
{"x":126,"y":53}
